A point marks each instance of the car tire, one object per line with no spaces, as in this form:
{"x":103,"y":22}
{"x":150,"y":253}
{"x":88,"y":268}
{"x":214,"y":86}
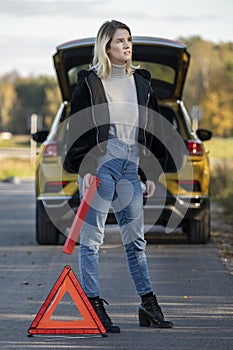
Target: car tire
{"x":199,"y":230}
{"x":46,"y":231}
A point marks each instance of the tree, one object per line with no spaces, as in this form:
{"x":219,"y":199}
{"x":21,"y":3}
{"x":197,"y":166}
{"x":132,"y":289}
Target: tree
{"x":8,"y":101}
{"x":209,"y":84}
{"x":51,"y":102}
{"x":217,"y":114}
{"x":33,"y":98}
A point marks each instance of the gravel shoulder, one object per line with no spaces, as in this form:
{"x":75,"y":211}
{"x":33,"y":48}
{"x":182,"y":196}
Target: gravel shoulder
{"x":222,"y":235}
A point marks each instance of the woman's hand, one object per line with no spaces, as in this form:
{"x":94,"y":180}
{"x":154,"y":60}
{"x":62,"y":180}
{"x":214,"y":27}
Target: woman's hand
{"x":86,"y":182}
{"x":150,"y":189}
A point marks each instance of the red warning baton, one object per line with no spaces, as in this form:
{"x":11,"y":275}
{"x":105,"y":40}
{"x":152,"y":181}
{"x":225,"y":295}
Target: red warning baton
{"x":80,"y":215}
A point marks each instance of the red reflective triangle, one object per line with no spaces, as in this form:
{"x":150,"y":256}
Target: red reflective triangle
{"x":89,"y":322}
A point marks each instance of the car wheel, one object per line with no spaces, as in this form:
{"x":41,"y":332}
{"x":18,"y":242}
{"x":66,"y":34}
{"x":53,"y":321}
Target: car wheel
{"x":46,"y":231}
{"x":199,"y":230}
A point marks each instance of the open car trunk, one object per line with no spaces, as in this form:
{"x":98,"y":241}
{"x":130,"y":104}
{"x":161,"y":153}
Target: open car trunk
{"x":166,"y":60}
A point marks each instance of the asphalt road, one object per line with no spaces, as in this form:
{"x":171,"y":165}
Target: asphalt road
{"x":192,"y":285}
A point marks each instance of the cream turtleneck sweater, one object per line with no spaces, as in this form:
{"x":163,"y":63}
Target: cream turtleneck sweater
{"x":121,"y":95}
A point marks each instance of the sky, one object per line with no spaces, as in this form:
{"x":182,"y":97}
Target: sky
{"x":30,"y":30}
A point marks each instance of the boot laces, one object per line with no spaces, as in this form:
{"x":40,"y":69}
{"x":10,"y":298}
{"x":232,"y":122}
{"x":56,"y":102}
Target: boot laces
{"x":155,"y":306}
{"x":100,"y":309}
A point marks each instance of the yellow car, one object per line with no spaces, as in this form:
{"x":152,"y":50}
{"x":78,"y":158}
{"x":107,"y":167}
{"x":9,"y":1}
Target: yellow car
{"x":181,"y":198}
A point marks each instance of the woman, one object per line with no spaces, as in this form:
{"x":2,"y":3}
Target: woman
{"x":115,"y":100}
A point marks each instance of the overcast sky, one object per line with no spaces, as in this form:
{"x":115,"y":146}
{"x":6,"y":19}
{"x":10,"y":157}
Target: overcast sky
{"x":31,"y":29}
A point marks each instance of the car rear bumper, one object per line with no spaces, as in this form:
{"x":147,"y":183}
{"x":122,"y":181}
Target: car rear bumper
{"x":60,"y":208}
{"x":181,"y":208}
{"x":157,"y":212}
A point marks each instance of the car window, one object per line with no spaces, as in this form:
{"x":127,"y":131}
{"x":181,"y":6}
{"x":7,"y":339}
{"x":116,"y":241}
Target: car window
{"x":163,"y":77}
{"x":158,"y":71}
{"x":72,"y":73}
{"x":170,"y":115}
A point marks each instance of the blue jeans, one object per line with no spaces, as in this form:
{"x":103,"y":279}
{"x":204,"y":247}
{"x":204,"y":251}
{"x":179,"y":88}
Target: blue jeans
{"x":120,"y":189}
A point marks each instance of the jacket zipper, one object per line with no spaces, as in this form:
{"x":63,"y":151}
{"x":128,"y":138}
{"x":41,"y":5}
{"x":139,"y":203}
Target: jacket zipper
{"x":93,"y":115}
{"x":147,"y":103}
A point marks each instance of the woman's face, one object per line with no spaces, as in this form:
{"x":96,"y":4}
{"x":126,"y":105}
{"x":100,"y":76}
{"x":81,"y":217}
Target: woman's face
{"x":120,"y":49}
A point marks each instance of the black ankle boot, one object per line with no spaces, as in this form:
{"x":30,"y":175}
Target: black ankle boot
{"x":150,"y":314}
{"x":99,"y":308}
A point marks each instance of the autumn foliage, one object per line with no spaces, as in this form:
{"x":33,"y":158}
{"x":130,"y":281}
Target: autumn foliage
{"x":209,"y":84}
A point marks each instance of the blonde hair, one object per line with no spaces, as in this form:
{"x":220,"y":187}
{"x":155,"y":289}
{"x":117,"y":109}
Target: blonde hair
{"x":101,"y":63}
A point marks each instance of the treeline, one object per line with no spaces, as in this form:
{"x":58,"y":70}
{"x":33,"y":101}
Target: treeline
{"x":209,"y":86}
{"x":22,"y":97}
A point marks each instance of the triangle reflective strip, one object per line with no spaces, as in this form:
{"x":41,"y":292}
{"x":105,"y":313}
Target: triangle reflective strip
{"x":45,"y":321}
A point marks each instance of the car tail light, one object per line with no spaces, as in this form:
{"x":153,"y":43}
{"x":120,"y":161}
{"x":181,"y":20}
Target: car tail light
{"x":50,"y":150}
{"x":55,"y":186}
{"x":194,"y":148}
{"x":190,"y":185}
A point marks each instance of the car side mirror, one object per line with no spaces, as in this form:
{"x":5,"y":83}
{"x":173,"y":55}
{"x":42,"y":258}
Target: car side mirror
{"x":204,"y":134}
{"x":40,"y":136}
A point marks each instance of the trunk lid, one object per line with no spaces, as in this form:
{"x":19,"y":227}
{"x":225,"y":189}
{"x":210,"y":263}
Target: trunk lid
{"x":166,"y":60}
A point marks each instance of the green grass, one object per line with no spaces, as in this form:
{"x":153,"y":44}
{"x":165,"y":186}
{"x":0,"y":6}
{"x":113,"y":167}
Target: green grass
{"x":15,"y":167}
{"x":16,"y":141}
{"x":220,"y":148}
{"x":222,"y":185}
{"x":12,"y":167}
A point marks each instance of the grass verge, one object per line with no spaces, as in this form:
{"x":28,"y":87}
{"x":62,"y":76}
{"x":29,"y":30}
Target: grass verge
{"x":15,"y":167}
{"x":16,"y":141}
{"x":220,"y":148}
{"x":221,"y":186}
